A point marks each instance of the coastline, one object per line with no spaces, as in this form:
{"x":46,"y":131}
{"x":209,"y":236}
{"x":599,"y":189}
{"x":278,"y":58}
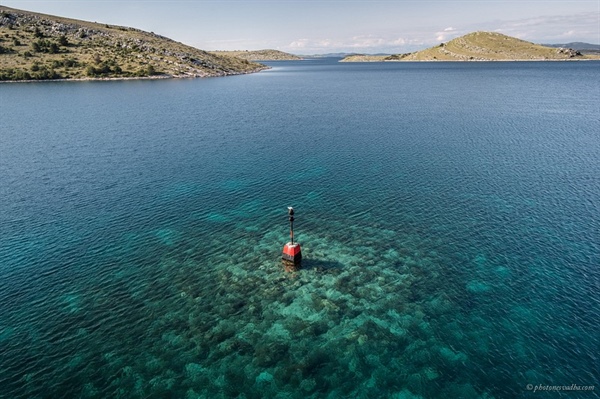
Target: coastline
{"x":155,"y":77}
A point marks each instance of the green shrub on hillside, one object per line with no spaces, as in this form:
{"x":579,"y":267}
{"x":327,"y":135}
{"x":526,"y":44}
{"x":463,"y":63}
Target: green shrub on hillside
{"x":38,"y":73}
{"x":106,"y":68}
{"x":45,"y":46}
{"x":14,"y":74}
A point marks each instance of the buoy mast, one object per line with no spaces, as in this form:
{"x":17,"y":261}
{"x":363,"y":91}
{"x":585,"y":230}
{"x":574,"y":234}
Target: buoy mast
{"x":291,"y":213}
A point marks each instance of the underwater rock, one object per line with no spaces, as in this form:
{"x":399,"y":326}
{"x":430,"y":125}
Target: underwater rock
{"x":308,"y":385}
{"x":194,"y":372}
{"x":430,"y":373}
{"x":278,"y":331}
{"x":264,"y":378}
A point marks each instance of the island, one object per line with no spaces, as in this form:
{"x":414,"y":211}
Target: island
{"x":259,"y":55}
{"x":36,"y":46}
{"x":481,"y":46}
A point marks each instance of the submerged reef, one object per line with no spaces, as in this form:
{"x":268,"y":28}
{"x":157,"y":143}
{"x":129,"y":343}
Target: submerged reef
{"x":375,"y":312}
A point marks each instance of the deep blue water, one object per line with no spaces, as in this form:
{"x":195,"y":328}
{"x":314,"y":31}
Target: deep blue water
{"x":449,"y":215}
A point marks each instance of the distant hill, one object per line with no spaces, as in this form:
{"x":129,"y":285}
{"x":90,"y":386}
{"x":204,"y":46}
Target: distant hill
{"x":259,"y":55}
{"x":583,"y":48}
{"x":366,"y":58}
{"x":576,"y":46}
{"x":329,"y":55}
{"x":36,"y":47}
{"x":482,"y":46}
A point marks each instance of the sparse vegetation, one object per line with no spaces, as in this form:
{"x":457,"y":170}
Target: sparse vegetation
{"x":39,"y":47}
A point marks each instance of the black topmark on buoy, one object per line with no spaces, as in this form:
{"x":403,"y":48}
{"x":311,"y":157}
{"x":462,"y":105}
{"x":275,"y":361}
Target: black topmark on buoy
{"x":292,"y":255}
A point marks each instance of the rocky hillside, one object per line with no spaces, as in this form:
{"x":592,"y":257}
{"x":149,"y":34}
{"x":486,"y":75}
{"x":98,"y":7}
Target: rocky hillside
{"x":259,"y":55}
{"x":36,"y":46}
{"x":484,"y":46}
{"x":489,"y":46}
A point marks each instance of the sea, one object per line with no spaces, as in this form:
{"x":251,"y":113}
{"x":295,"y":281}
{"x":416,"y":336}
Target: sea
{"x":448,"y":215}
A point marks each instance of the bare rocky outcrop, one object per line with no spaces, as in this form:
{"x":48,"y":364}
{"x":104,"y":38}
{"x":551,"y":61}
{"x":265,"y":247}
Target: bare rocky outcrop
{"x":569,"y":52}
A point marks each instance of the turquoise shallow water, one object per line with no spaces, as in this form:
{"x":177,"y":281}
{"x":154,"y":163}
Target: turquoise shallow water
{"x":449,"y":217}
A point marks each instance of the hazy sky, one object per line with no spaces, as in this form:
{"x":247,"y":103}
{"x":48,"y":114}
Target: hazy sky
{"x":316,"y":27}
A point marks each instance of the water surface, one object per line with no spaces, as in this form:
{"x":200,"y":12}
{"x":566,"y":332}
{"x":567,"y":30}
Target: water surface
{"x":448,"y":215}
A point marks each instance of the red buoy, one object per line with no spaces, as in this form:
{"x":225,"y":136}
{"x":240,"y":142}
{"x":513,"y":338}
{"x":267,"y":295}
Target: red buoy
{"x":292,"y":254}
